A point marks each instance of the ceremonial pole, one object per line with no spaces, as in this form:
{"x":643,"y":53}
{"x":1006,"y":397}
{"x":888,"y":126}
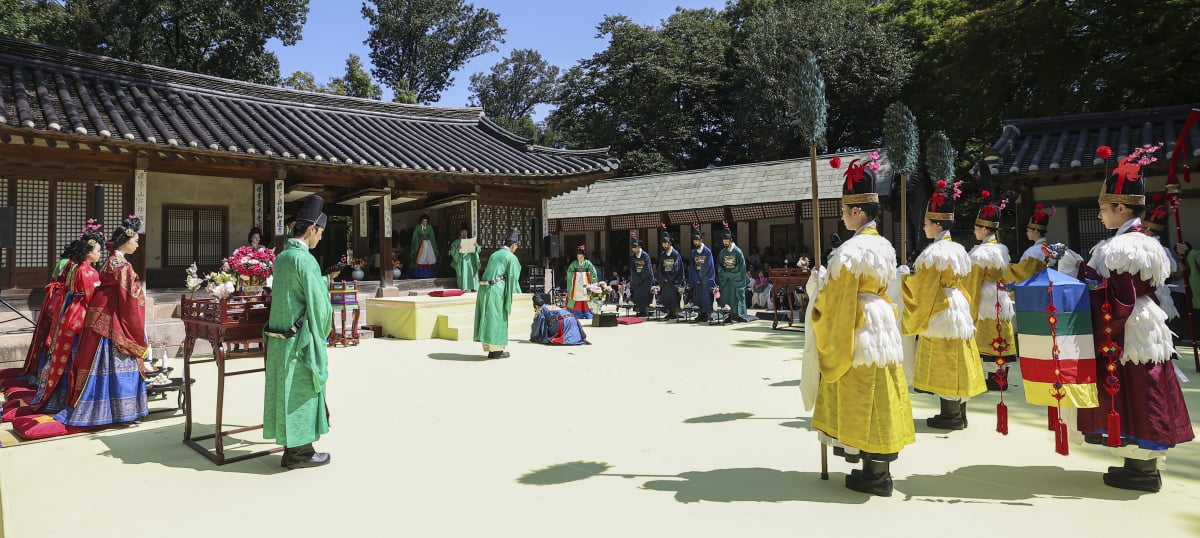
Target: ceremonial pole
{"x":807,"y":100}
{"x":1174,"y":200}
{"x":900,"y":142}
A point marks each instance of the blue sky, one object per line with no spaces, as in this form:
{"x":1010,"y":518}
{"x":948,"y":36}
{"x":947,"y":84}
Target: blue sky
{"x":563,"y":31}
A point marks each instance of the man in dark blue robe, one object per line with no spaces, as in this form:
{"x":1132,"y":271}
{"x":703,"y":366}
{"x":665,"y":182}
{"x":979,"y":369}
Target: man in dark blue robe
{"x":702,"y":275}
{"x":641,"y":277}
{"x":672,"y":275}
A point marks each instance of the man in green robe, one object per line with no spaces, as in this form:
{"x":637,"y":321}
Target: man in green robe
{"x":294,"y":410}
{"x":493,"y":304}
{"x":466,"y":264}
{"x":424,"y":250}
{"x":732,"y":279}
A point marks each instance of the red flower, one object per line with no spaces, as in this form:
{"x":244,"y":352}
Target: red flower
{"x":941,"y":184}
{"x":835,"y":162}
{"x":1104,"y":152}
{"x":1158,"y":198}
{"x":1037,"y":207}
{"x":986,"y":194}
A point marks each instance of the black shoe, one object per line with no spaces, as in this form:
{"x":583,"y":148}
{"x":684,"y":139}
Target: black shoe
{"x":317,"y":459}
{"x":874,"y":479}
{"x":952,"y":417}
{"x":498,"y":355}
{"x":1137,"y":475}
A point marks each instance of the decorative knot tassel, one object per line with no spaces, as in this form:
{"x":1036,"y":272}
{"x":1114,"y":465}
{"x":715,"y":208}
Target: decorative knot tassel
{"x":1114,"y":428}
{"x":1060,"y":438}
{"x":1052,"y":418}
{"x":1002,"y":418}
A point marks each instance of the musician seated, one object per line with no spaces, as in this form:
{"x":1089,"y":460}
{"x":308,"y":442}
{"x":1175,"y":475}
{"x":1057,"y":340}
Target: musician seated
{"x":555,"y":326}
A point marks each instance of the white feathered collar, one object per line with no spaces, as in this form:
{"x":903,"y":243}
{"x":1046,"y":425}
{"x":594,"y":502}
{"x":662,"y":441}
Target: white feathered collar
{"x":1134,"y":253}
{"x":865,"y":254}
{"x":943,"y":253}
{"x":990,"y":254}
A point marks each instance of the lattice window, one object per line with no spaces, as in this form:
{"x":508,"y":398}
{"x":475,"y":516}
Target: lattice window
{"x":114,"y":206}
{"x":194,"y":234}
{"x":32,"y":222}
{"x":552,"y":227}
{"x":746,"y":212}
{"x":3,"y":191}
{"x":582,"y":224}
{"x":773,"y":211}
{"x":623,"y":222}
{"x":710,"y":214}
{"x":457,"y":215}
{"x":70,"y":213}
{"x":682,"y":217}
{"x":495,"y":221}
{"x":1088,"y":228}
{"x":830,"y":209}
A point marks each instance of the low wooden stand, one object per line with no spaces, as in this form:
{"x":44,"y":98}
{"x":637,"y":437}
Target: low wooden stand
{"x":234,"y":328}
{"x":786,"y":280}
{"x":343,"y":295}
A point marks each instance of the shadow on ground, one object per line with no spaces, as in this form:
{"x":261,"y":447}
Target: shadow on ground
{"x":457,"y":357}
{"x":978,"y":483}
{"x":756,"y":484}
{"x":164,"y":446}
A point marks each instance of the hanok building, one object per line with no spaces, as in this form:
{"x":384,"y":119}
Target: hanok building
{"x":1052,"y":161}
{"x":203,"y":159}
{"x":766,"y":205}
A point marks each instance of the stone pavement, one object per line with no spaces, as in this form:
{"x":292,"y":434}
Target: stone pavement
{"x":654,"y":430}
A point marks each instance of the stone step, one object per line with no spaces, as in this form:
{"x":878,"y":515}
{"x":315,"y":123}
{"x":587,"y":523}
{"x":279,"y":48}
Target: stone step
{"x":456,"y":326}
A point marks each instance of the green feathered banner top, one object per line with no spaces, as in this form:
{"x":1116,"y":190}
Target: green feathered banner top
{"x":900,"y":139}
{"x":939,"y":157}
{"x":807,"y":99}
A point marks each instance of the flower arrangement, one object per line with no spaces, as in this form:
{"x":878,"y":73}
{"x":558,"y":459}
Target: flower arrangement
{"x":252,"y":262}
{"x":358,"y":263}
{"x":802,"y":262}
{"x":220,"y":284}
{"x":193,"y":281}
{"x":597,"y":291}
{"x":397,"y":264}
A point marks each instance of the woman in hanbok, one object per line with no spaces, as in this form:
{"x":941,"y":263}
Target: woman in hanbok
{"x":424,"y":251}
{"x":106,"y":384}
{"x":81,"y":281}
{"x":580,"y":274}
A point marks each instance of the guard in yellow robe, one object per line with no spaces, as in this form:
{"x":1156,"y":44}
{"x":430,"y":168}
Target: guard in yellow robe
{"x":862,"y":407}
{"x":991,"y":304}
{"x":937,"y":309}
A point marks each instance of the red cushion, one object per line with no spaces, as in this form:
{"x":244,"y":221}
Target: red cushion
{"x":446,"y":293}
{"x":629,"y":320}
{"x":19,"y":393}
{"x":38,"y":426}
{"x":19,"y":410}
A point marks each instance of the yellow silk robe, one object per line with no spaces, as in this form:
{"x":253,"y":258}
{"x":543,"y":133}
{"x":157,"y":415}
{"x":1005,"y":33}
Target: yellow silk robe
{"x":862,"y":400}
{"x":989,"y":266}
{"x":937,"y":309}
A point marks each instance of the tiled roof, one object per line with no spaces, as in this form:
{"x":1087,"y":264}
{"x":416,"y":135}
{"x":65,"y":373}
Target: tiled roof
{"x":49,"y":89}
{"x":758,"y":183}
{"x":1041,"y":145}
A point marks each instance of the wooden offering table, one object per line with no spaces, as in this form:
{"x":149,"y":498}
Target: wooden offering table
{"x":789,"y":284}
{"x":234,"y":328}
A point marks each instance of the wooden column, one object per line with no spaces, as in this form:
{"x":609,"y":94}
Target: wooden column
{"x":385,"y":243}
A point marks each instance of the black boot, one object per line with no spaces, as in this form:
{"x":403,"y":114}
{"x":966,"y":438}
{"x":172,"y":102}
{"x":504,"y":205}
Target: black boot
{"x":850,"y":458}
{"x":1139,"y":475}
{"x":952,"y":417}
{"x":875,"y":478}
{"x":303,"y":456}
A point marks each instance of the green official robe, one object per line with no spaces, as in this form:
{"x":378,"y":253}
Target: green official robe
{"x":494,"y":301}
{"x":732,"y":279}
{"x":297,"y":368}
{"x":466,"y":266}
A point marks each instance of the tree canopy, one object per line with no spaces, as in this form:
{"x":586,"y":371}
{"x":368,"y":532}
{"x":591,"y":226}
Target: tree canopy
{"x":223,"y":38}
{"x":417,"y":45}
{"x":355,"y":83}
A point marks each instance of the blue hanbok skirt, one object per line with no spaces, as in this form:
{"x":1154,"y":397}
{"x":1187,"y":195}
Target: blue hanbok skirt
{"x":114,"y":392}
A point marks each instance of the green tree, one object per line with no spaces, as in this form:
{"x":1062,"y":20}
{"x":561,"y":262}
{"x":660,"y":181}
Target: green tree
{"x":224,"y":38}
{"x":514,"y":86}
{"x":863,"y":66}
{"x":981,"y":61}
{"x":356,"y":82}
{"x":655,"y":95}
{"x":304,"y":81}
{"x":417,"y":44}
{"x":34,"y":20}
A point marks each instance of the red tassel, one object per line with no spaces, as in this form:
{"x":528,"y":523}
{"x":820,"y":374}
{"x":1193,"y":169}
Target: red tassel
{"x":1002,"y":418}
{"x":1052,"y":418}
{"x":1060,"y":438}
{"x":1114,"y":428}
